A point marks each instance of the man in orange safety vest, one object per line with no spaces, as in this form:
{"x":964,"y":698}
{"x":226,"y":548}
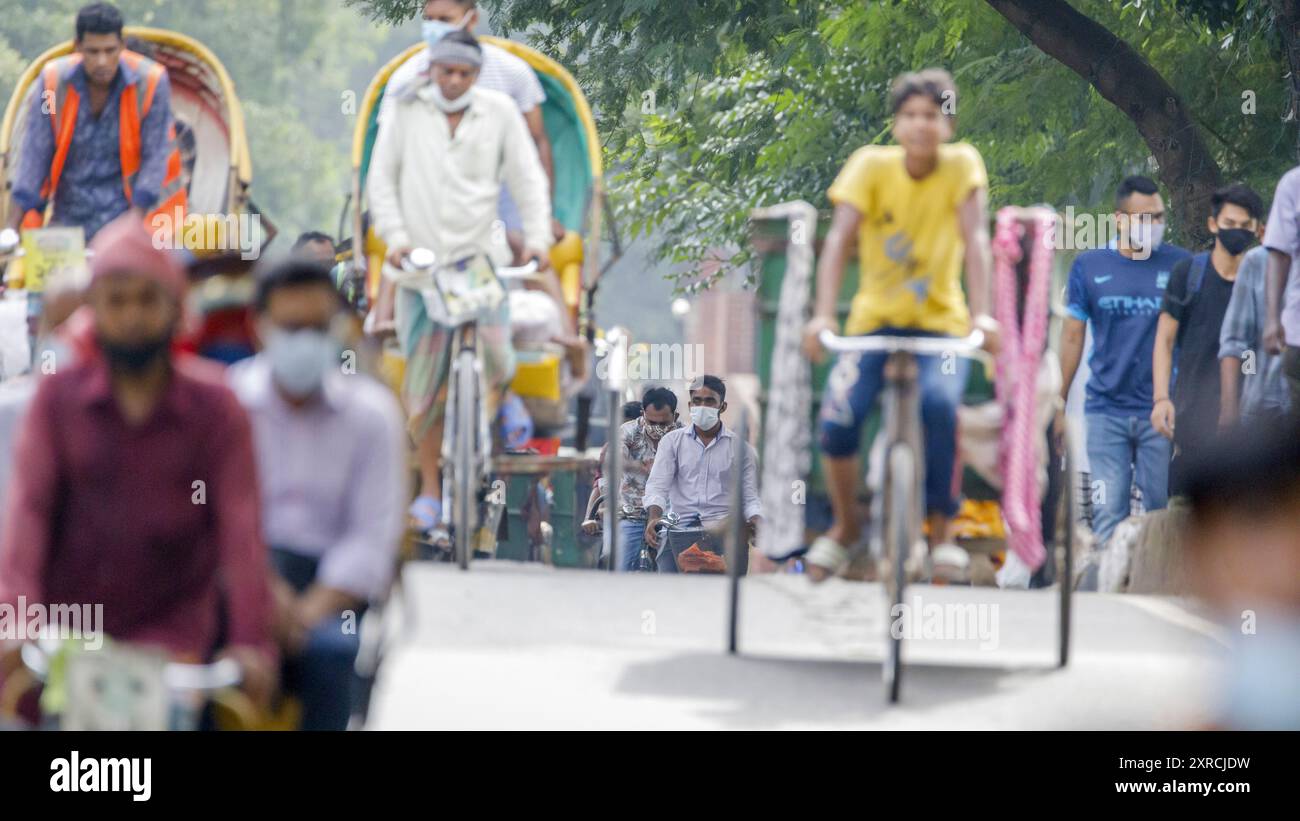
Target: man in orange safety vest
{"x":99,"y":138}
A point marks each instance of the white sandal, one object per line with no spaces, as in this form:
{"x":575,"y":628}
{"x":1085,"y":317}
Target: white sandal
{"x":951,"y":564}
{"x":828,"y":555}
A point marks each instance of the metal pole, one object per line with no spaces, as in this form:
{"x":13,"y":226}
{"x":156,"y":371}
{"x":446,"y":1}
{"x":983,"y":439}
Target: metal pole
{"x":616,"y":377}
{"x":737,"y":544}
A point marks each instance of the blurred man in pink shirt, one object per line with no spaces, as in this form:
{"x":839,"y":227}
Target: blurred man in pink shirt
{"x":134,"y":484}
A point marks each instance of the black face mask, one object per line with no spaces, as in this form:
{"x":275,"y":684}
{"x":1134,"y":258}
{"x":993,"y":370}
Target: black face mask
{"x":1235,"y":240}
{"x":135,"y":357}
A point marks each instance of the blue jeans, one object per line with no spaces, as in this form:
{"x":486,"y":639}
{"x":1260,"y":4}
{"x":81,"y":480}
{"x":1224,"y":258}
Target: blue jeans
{"x":1119,"y":447}
{"x":322,"y":676}
{"x":851,"y":392}
{"x":631,"y":538}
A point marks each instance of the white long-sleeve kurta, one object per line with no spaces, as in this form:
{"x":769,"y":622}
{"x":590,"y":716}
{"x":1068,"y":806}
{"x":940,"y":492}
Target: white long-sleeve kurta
{"x":430,"y":189}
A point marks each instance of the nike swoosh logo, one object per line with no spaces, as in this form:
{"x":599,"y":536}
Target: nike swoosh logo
{"x":1100,"y":280}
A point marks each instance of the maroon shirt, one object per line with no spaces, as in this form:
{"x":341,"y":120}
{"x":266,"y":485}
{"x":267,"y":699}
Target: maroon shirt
{"x":103,"y":512}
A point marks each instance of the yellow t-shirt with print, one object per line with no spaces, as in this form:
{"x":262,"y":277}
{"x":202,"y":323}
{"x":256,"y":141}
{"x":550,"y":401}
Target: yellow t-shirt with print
{"x":910,"y":245}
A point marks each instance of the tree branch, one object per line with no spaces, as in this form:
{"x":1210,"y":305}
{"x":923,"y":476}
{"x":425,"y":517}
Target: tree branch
{"x":1286,"y":15}
{"x":1125,"y":79}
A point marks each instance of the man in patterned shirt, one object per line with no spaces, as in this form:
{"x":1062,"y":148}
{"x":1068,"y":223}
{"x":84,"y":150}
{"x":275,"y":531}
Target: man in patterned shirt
{"x":640,"y":438}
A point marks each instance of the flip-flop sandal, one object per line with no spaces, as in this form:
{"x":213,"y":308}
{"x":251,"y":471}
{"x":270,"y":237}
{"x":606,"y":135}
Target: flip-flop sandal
{"x":425,"y":513}
{"x":951,"y":564}
{"x":827,"y":555}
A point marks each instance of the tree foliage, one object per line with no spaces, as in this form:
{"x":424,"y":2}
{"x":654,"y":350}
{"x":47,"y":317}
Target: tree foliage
{"x":710,"y":108}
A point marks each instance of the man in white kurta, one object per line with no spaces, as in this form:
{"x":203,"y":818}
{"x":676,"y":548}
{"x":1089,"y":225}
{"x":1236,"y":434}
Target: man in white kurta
{"x":435,"y":179}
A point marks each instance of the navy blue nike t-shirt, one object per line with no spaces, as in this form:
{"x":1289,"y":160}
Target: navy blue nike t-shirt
{"x":1121,"y":298}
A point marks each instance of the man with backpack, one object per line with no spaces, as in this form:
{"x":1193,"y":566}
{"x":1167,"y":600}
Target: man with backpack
{"x":1185,"y":358}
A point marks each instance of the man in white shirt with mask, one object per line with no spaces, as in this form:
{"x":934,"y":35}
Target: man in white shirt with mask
{"x":694,"y":467}
{"x":435,"y":180}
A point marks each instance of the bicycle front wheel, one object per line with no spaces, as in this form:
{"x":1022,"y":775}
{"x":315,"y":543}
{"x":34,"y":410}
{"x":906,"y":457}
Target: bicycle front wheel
{"x":465,"y":468}
{"x":900,"y":534}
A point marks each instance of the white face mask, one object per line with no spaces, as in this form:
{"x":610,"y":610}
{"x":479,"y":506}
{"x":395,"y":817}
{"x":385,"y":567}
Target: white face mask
{"x":434,"y":30}
{"x":704,"y":418}
{"x":1146,"y":235}
{"x":433,"y":93}
{"x":300,"y":360}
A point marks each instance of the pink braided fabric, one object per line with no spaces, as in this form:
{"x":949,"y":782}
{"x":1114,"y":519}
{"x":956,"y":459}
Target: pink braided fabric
{"x":1017,"y":372}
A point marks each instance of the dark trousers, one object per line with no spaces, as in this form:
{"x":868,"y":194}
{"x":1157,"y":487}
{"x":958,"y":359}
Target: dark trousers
{"x":322,"y":676}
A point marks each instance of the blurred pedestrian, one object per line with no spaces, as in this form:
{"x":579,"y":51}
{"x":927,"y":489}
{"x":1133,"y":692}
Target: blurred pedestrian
{"x":1252,"y":386}
{"x":65,"y":335}
{"x":1244,"y":558}
{"x":331,"y":455}
{"x":1282,"y":291}
{"x":134,"y":483}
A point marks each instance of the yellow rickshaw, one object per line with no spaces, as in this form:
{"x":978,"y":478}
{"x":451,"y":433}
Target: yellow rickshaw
{"x":217,"y":172}
{"x":579,"y":205}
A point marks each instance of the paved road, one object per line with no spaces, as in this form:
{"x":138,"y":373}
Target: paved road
{"x":509,"y":646}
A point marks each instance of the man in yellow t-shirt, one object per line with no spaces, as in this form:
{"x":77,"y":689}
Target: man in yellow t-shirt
{"x":918,"y":210}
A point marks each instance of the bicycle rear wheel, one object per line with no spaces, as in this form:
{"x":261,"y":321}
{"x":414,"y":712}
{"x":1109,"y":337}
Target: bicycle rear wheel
{"x":465,"y":468}
{"x":900,"y":534}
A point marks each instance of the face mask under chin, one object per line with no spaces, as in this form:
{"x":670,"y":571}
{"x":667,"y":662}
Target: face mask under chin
{"x":433,"y":93}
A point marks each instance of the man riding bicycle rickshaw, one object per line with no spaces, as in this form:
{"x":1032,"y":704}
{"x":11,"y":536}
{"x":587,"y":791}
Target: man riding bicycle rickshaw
{"x":435,"y":181}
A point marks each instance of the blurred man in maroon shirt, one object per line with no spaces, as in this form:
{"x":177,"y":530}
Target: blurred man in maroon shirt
{"x":134,"y":482}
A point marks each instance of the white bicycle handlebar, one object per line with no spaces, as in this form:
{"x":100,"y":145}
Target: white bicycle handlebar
{"x":421,"y":260}
{"x":178,"y":677}
{"x":519,"y":272}
{"x":935,"y":345}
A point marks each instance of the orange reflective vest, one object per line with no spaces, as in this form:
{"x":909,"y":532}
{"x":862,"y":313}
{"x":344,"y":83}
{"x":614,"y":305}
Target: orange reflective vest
{"x":137,"y":98}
